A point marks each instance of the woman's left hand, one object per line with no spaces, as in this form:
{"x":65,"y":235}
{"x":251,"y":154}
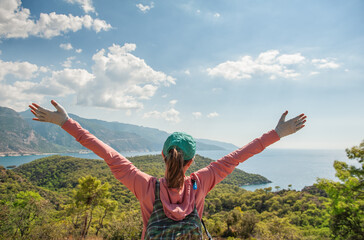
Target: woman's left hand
{"x":285,"y":128}
{"x":58,"y":117}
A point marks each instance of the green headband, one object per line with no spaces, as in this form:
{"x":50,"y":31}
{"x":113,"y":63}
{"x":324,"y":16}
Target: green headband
{"x":180,"y":141}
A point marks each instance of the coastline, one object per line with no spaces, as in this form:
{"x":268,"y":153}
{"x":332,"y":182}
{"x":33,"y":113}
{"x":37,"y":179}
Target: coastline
{"x":20,"y":154}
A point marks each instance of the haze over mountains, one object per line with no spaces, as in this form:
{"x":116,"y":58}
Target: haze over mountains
{"x":19,"y":134}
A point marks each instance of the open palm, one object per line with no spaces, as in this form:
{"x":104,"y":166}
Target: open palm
{"x":41,"y":114}
{"x":290,"y":126}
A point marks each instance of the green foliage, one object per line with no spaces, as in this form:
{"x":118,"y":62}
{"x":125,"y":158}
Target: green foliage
{"x":296,"y":215}
{"x":27,"y":216}
{"x":90,"y":205}
{"x":347,"y":197}
{"x":99,"y":206}
{"x":62,"y":172}
{"x":127,"y":225}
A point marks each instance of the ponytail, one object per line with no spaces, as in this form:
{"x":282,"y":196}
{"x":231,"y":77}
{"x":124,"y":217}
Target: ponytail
{"x":175,"y":163}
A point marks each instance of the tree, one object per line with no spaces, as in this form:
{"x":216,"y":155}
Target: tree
{"x":25,"y":213}
{"x":347,"y":197}
{"x":89,"y":196}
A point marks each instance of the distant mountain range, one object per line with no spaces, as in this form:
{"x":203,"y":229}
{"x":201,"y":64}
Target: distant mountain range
{"x":19,"y":134}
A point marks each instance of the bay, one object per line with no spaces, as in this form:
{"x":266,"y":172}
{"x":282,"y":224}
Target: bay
{"x":299,"y":168}
{"x":296,"y":167}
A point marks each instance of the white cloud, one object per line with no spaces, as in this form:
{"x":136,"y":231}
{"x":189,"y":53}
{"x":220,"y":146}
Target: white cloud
{"x":217,"y":15}
{"x":187,"y":72}
{"x":66,"y":46}
{"x":21,"y":70}
{"x":325,"y":63}
{"x":270,"y":63}
{"x":18,"y":94}
{"x":314,"y":73}
{"x":85,"y":4}
{"x":118,"y":80}
{"x":171,"y":115}
{"x":68,"y":62}
{"x":79,"y":50}
{"x":197,"y":115}
{"x":14,"y":96}
{"x":16,"y":22}
{"x":287,"y":59}
{"x":73,"y":79}
{"x":61,"y":83}
{"x":173,"y":102}
{"x":122,"y":79}
{"x":145,"y":8}
{"x":213,"y":115}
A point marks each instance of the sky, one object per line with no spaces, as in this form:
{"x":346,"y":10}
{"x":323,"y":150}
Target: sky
{"x":220,"y":70}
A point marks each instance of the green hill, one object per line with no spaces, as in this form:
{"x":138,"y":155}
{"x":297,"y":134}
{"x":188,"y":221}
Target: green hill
{"x":61,"y":173}
{"x":230,"y":212}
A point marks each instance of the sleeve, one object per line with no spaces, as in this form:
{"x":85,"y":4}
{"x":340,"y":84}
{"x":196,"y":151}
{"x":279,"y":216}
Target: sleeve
{"x":135,"y":180}
{"x":218,"y":170}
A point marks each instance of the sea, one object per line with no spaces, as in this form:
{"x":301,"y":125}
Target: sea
{"x":283,"y":167}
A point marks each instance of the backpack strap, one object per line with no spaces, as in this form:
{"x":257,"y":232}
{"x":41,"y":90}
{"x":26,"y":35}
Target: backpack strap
{"x":203,"y":224}
{"x":156,"y":190}
{"x":207,"y":232}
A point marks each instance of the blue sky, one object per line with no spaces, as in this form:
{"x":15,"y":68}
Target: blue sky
{"x":222,"y":70}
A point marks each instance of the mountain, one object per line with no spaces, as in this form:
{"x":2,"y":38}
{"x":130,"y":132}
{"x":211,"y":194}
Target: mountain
{"x":17,"y":137}
{"x":22,"y":135}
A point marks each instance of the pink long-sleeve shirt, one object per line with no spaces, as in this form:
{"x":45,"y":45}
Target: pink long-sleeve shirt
{"x":177,"y":203}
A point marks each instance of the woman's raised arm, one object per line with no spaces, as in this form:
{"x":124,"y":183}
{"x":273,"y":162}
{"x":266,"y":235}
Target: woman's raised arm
{"x":217,"y":171}
{"x":135,"y":180}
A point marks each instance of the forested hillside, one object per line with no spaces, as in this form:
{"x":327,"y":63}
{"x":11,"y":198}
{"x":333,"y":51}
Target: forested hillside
{"x":62,"y":197}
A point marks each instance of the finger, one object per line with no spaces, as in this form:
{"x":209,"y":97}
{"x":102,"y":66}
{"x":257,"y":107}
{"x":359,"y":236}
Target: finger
{"x":32,"y":107}
{"x":283,"y":117}
{"x":300,"y":123}
{"x":58,"y":106}
{"x":298,"y":117}
{"x":37,"y":119}
{"x":303,"y":118}
{"x":300,"y":127}
{"x":36,"y":105}
{"x":55,"y":104}
{"x":35,"y":114}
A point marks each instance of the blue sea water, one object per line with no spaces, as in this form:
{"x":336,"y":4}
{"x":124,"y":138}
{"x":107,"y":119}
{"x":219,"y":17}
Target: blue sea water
{"x":283,"y":167}
{"x":299,"y":168}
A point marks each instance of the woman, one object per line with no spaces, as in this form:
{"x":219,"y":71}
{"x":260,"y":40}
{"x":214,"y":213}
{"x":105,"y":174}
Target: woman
{"x":181,"y":197}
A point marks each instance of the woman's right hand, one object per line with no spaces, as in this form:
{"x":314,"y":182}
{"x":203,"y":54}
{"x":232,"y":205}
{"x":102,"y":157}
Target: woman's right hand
{"x":285,"y":128}
{"x":58,"y":117}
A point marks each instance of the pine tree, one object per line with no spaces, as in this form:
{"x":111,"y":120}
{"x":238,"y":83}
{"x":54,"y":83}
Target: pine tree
{"x":347,"y":197}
